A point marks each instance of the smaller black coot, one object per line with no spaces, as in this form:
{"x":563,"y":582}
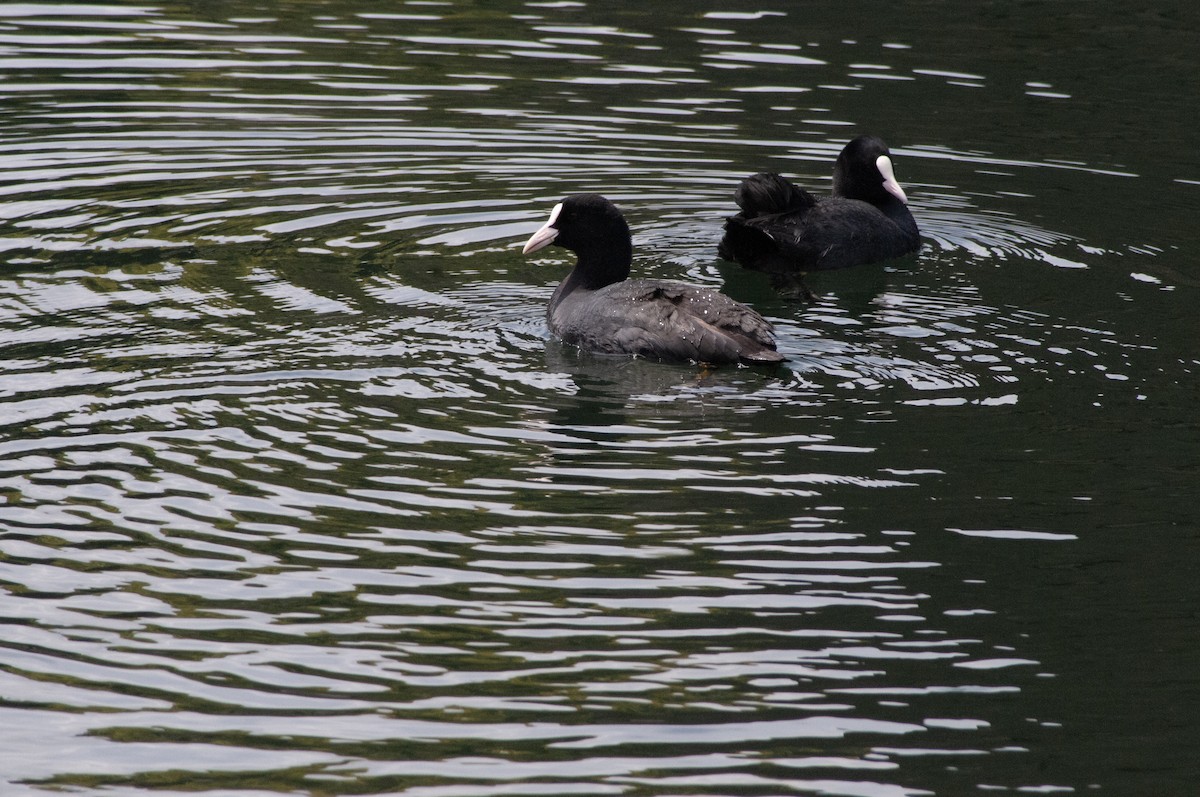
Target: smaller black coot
{"x":599,"y":309}
{"x":785,"y":231}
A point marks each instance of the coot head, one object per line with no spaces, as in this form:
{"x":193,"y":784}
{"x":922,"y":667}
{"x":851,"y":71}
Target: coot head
{"x":593,"y":228}
{"x":581,"y":221}
{"x":864,"y":171}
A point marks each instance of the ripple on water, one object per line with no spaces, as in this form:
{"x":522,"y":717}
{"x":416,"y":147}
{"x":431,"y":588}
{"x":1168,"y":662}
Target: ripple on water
{"x":296,"y":492}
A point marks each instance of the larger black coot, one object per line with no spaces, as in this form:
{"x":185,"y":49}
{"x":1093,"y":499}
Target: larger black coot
{"x":599,"y":309}
{"x":785,"y":231}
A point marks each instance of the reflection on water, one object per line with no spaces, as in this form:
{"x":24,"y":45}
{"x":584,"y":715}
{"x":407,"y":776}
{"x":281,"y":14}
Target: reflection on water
{"x":298,"y":496}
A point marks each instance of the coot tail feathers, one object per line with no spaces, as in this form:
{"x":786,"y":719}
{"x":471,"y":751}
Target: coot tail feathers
{"x":766,"y":194}
{"x":761,"y":356}
{"x":750,"y":245}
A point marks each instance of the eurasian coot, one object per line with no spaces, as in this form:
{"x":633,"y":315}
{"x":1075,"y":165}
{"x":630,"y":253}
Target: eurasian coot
{"x":599,"y":309}
{"x":785,"y":231}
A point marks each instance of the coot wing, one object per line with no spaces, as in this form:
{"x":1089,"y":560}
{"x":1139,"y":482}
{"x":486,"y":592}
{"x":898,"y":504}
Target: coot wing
{"x":835,"y":233}
{"x":666,"y":321}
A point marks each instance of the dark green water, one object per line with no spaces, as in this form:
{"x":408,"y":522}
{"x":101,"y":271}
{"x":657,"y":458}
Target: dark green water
{"x":299,"y":498}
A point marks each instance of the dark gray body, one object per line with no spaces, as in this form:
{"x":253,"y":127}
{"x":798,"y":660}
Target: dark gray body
{"x":661,"y":320}
{"x":830,"y":233}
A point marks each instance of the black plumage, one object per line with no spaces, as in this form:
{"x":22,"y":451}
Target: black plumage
{"x":599,"y":309}
{"x":785,"y":231}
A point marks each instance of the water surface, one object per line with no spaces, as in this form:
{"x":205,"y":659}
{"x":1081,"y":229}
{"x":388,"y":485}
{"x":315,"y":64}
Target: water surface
{"x":300,"y":497}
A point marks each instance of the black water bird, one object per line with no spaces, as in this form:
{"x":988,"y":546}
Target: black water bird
{"x":599,"y":309}
{"x":785,"y":231}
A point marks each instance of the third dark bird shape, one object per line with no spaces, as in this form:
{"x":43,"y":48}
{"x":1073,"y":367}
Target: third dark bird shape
{"x":599,"y":309}
{"x":785,"y":231}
